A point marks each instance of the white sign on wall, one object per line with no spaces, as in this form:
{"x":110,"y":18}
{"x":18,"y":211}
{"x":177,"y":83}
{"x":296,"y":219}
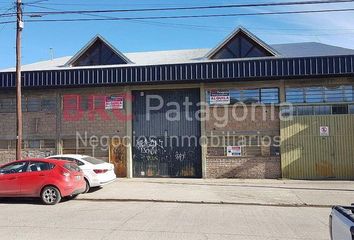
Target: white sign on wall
{"x":324,"y":131}
{"x":114,"y":102}
{"x":218,"y":97}
{"x":234,"y":151}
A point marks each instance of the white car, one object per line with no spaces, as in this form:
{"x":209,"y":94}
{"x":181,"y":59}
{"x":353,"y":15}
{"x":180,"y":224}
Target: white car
{"x":97,"y":172}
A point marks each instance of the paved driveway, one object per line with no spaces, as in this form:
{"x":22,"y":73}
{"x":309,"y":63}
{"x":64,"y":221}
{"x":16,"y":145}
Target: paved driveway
{"x":88,"y":220}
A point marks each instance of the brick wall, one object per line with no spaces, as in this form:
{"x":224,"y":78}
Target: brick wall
{"x":94,"y":122}
{"x":38,"y":125}
{"x":250,"y":124}
{"x":256,"y":167}
{"x":257,"y":121}
{"x":52,"y":125}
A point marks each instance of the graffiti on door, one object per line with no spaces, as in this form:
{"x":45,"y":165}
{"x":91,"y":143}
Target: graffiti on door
{"x":158,"y":157}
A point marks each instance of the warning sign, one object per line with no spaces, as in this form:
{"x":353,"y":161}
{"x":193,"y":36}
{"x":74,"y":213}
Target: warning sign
{"x":218,"y":97}
{"x":324,"y":131}
{"x":234,"y":151}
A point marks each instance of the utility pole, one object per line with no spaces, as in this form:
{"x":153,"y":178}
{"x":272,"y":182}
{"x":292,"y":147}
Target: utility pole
{"x":18,"y":80}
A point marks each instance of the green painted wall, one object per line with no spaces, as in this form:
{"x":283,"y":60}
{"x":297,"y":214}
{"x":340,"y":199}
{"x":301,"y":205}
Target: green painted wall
{"x":307,"y":155}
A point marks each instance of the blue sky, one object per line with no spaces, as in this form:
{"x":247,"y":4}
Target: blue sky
{"x":133,"y":36}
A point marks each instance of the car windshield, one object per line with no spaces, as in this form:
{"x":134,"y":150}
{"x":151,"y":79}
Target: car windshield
{"x":93,"y":160}
{"x":13,"y":168}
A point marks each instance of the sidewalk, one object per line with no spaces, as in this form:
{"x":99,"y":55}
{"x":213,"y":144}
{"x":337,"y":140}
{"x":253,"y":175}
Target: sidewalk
{"x":228,"y":191}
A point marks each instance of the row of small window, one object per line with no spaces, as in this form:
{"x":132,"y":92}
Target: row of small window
{"x":28,"y":144}
{"x":83,"y":103}
{"x":8,"y":105}
{"x":249,"y":96}
{"x":320,"y":94}
{"x":319,"y":110}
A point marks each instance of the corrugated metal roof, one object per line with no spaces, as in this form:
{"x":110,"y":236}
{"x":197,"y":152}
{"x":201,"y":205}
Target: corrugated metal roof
{"x":307,"y":49}
{"x":139,"y":58}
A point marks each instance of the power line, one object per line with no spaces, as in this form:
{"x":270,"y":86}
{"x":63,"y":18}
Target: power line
{"x":187,"y":8}
{"x":7,"y":22}
{"x":208,"y":27}
{"x":185,"y":26}
{"x":186,"y":16}
{"x":198,"y":27}
{"x":191,"y":16}
{"x":6,"y":11}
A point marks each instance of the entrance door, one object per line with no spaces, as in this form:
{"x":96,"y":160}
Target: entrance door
{"x":166,"y":133}
{"x":118,"y":157}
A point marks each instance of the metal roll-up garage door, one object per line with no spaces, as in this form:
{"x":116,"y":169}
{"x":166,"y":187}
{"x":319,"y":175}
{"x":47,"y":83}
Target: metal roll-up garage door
{"x":166,"y":133}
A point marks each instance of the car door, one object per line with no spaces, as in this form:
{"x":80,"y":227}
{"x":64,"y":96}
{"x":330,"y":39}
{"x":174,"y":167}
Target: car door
{"x":10,"y":176}
{"x":33,"y":180}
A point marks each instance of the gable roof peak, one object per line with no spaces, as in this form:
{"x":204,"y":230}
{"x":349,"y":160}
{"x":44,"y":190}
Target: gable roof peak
{"x":91,"y":43}
{"x":237,"y":32}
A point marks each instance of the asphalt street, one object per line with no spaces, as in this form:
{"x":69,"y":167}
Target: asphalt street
{"x":80,"y":219}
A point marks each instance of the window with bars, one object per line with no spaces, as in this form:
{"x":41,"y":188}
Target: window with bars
{"x":84,"y":103}
{"x":249,"y":96}
{"x":7,"y":105}
{"x":34,"y":144}
{"x":351,"y":109}
{"x":4,"y":144}
{"x":30,"y":104}
{"x":320,"y":94}
{"x":309,"y":110}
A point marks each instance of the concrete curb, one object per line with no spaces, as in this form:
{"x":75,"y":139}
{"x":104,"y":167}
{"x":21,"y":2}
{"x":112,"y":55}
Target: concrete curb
{"x":206,"y":202}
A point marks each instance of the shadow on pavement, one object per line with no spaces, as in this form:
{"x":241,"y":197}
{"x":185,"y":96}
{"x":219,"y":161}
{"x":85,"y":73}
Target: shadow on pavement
{"x":32,"y":201}
{"x":94,"y":189}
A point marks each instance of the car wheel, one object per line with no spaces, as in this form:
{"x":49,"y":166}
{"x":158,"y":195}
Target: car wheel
{"x":50,"y":195}
{"x":87,"y":187}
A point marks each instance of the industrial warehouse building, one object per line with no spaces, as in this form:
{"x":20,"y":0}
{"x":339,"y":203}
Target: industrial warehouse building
{"x":103,"y":92}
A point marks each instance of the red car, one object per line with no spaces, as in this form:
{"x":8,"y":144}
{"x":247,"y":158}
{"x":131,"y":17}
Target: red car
{"x":48,"y":179}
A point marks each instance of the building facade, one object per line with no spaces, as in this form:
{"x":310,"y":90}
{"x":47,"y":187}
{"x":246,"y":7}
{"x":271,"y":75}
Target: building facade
{"x":244,"y":109}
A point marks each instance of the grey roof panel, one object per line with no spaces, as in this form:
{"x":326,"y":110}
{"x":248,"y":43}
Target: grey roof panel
{"x":308,"y":49}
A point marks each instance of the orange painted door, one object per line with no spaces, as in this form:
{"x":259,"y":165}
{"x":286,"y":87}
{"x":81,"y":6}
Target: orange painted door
{"x":118,"y":157}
